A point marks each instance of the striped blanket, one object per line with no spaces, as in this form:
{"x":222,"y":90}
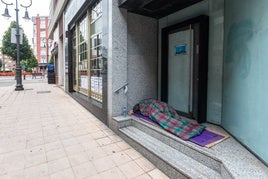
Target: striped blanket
{"x":167,"y":117}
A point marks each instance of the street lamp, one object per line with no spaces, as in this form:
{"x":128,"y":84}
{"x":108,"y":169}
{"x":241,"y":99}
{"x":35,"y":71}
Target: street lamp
{"x":19,"y":85}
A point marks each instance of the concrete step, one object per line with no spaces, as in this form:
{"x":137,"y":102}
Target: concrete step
{"x":200,"y":154}
{"x":175,"y":163}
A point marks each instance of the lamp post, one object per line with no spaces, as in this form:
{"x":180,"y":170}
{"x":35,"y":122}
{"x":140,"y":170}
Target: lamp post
{"x":18,"y":77}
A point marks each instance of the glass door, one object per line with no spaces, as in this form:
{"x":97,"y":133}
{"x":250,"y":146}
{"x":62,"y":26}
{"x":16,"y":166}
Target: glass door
{"x":180,"y":65}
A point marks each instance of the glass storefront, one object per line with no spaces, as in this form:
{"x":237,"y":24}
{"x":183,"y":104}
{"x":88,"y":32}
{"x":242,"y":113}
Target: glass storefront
{"x":83,"y":56}
{"x":87,"y":54}
{"x":96,"y":60}
{"x":75,"y":76}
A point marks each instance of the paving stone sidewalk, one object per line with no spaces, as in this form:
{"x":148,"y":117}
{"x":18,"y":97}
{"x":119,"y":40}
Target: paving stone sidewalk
{"x":44,"y":133}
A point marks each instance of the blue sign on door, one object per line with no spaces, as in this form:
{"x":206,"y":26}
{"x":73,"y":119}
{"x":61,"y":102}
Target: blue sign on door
{"x":180,"y":49}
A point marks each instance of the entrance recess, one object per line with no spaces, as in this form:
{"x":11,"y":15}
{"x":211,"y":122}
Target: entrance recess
{"x":180,"y":70}
{"x":184,"y":67}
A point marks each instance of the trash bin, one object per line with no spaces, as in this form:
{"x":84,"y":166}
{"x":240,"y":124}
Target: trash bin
{"x":50,"y":68}
{"x":50,"y":74}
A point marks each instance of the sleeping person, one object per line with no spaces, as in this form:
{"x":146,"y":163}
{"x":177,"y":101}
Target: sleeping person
{"x":167,"y":117}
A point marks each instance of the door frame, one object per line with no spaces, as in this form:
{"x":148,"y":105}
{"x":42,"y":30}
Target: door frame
{"x":200,"y":26}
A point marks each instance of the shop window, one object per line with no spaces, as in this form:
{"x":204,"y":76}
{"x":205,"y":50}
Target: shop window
{"x":74,"y":50}
{"x":83,"y":57}
{"x":87,"y":54}
{"x":96,"y":61}
{"x":96,"y":11}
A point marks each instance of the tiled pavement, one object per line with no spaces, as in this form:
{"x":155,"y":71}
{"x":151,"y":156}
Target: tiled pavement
{"x":44,"y":134}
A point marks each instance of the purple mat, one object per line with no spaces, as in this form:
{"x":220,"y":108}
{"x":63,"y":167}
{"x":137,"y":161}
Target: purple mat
{"x":205,"y":138}
{"x":144,"y":118}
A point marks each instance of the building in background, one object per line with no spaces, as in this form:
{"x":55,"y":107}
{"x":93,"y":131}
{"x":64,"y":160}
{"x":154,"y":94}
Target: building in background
{"x":7,"y":63}
{"x":40,"y":41}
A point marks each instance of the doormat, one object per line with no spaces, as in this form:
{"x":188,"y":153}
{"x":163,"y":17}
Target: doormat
{"x":208,"y":138}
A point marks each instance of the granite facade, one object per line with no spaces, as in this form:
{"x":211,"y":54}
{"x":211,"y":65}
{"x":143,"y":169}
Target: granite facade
{"x":117,"y":59}
{"x":132,"y":58}
{"x":142,"y":58}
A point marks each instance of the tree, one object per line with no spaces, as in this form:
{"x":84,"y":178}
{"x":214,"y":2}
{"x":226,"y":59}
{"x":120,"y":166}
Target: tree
{"x":52,"y":59}
{"x":23,"y":64}
{"x":32,"y":62}
{"x":1,"y":63}
{"x":29,"y":63}
{"x":10,"y":49}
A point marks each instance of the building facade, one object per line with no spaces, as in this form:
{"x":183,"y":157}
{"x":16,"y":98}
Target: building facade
{"x":40,"y":41}
{"x":204,"y":57}
{"x":58,"y":36}
{"x":7,"y":63}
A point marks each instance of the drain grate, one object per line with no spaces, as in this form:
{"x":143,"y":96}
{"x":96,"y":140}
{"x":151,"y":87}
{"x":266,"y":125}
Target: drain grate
{"x":28,"y":89}
{"x":42,"y":92}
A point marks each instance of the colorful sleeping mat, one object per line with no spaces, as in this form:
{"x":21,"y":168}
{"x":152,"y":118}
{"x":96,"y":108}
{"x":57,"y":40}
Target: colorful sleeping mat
{"x":206,"y":138}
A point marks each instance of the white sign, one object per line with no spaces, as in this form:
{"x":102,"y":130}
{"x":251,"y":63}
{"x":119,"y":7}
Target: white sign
{"x":13,"y":35}
{"x":84,"y":81}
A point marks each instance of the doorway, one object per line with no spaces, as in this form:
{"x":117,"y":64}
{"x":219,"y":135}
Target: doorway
{"x":184,"y":63}
{"x":180,"y":70}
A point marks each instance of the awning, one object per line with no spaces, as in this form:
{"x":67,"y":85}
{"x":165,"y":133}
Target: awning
{"x":155,"y":8}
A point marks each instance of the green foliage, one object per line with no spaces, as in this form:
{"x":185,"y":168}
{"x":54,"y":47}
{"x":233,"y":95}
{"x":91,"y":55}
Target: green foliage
{"x":23,"y":64}
{"x":10,"y":49}
{"x":32,"y":62}
{"x":29,"y":63}
{"x":52,"y":59}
